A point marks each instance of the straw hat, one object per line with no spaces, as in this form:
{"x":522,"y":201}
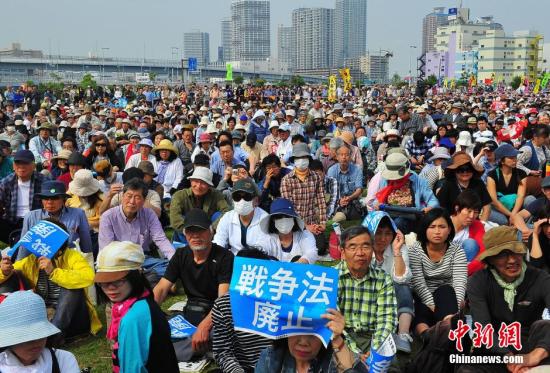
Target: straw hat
{"x":84,"y":184}
{"x":28,"y":320}
{"x":63,"y":154}
{"x":117,"y":259}
{"x":165,"y":145}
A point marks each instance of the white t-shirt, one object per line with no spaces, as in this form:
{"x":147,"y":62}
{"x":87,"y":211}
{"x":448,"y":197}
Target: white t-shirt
{"x":9,"y":363}
{"x":23,"y":198}
{"x":462,"y":236}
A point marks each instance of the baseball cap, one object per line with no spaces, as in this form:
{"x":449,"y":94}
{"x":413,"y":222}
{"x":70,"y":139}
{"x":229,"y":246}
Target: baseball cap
{"x":24,"y":156}
{"x":245,"y":185}
{"x":196,"y":218}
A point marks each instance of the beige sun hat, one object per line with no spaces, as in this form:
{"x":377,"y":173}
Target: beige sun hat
{"x":84,"y":184}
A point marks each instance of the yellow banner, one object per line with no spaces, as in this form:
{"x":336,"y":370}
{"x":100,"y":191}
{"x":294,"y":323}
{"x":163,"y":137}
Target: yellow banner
{"x":332,"y":88}
{"x":446,"y":83}
{"x":346,"y":78}
{"x":537,"y":86}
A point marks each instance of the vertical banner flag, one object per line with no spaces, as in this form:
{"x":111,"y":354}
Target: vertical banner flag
{"x":229,"y":72}
{"x":545,"y":80}
{"x":332,"y":88}
{"x":537,"y":86}
{"x":286,"y":298}
{"x":43,"y":239}
{"x":346,"y":78}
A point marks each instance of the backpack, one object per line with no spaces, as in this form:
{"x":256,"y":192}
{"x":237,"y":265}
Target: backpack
{"x":21,"y":285}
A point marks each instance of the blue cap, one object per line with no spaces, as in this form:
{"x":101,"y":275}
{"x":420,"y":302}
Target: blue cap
{"x":243,"y":117}
{"x":24,"y":156}
{"x":282,"y":206}
{"x":52,"y":189}
{"x":372,"y":220}
{"x":505,"y":150}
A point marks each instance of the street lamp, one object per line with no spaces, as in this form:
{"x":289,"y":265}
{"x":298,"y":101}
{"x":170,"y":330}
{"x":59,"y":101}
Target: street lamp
{"x":103,"y":49}
{"x":175,"y":51}
{"x":411,"y":47}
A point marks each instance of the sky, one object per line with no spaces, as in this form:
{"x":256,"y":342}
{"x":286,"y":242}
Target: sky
{"x":138,"y":28}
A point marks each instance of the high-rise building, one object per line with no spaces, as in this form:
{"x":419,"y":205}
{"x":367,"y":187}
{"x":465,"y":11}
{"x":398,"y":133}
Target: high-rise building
{"x":313,"y":34}
{"x":196,"y":44}
{"x":430,"y":23}
{"x":375,"y":67}
{"x":250,"y":36}
{"x":285,"y":44}
{"x":226,"y":35}
{"x":350,"y":30}
{"x":505,"y":56}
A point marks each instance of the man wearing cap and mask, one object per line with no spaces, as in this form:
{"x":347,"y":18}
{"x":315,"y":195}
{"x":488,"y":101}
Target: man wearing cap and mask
{"x":305,"y":189}
{"x":19,"y":193}
{"x":204,"y":269}
{"x":53,"y":196}
{"x":10,"y":135}
{"x":509,"y":291}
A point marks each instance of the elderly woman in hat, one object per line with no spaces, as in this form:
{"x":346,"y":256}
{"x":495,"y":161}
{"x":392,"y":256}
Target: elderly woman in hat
{"x":23,"y":339}
{"x":44,"y":146}
{"x":205,"y":146}
{"x":398,"y":186}
{"x":86,"y":195}
{"x":391,"y":139}
{"x":59,"y":163}
{"x":169,"y":166}
{"x":101,"y":149}
{"x":145,"y":146}
{"x":287,"y":230}
{"x":506,"y":185}
{"x":433,"y":171}
{"x":506,"y":292}
{"x":462,"y":175}
{"x":139,"y":331}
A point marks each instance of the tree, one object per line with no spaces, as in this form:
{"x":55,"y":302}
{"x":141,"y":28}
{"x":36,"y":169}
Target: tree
{"x":259,"y":82}
{"x":516,"y":82}
{"x":282,"y":83}
{"x":396,"y":79}
{"x":152,"y":76}
{"x":431,"y":80}
{"x":88,"y":81}
{"x":297,"y":81}
{"x":239,"y":79}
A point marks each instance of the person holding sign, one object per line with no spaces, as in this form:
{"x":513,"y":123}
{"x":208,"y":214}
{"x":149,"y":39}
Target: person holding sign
{"x":59,"y":275}
{"x":139,"y":331}
{"x":53,"y":198}
{"x":204,"y":269}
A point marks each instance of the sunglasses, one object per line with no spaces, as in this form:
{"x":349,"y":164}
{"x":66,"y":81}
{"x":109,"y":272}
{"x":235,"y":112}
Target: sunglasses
{"x":464,"y":170}
{"x":247,"y":197}
{"x":101,"y":144}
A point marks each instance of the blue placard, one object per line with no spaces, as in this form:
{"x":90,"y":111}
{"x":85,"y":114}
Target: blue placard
{"x":180,"y":328}
{"x":453,"y":11}
{"x":192,"y":64}
{"x":43,"y":239}
{"x":277,"y":300}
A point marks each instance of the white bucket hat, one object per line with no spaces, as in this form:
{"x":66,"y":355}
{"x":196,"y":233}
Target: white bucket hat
{"x":84,"y":184}
{"x":464,"y":139}
{"x":28,"y":321}
{"x":397,"y":167}
{"x":439,"y":152}
{"x":204,"y":174}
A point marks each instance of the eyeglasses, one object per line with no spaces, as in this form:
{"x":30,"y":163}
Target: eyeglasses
{"x":246,"y":196}
{"x":355,"y":248}
{"x":463,"y":170}
{"x":116,"y":284}
{"x":100,"y":144}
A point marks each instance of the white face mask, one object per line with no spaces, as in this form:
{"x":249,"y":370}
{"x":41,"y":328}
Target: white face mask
{"x":243,"y":207}
{"x":284,"y":225}
{"x":301,"y":163}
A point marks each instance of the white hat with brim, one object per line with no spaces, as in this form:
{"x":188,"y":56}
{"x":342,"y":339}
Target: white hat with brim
{"x":84,"y":184}
{"x":397,"y":167}
{"x":28,"y":320}
{"x":204,"y":174}
{"x":464,"y":139}
{"x":439,"y":153}
{"x":117,"y":259}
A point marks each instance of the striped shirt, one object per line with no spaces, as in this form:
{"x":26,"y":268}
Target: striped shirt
{"x":369,"y":306}
{"x":234,"y":351}
{"x":429,"y":275}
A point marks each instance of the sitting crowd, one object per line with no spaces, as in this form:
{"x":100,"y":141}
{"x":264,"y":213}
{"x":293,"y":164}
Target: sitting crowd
{"x":430,"y":208}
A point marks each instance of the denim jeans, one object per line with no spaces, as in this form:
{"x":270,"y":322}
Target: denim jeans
{"x":471,"y":248}
{"x":405,"y":303}
{"x":501,"y":219}
{"x":71,"y":314}
{"x":154,"y":268}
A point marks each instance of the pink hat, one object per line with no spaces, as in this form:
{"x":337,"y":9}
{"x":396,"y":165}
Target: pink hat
{"x":205,"y":137}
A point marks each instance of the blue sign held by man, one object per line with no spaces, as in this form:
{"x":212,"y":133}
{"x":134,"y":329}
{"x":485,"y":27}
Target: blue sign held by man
{"x":285,"y":298}
{"x":44,"y":239}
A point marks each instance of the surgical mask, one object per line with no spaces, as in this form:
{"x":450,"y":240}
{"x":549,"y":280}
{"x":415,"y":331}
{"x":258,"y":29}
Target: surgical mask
{"x":301,"y":163}
{"x":243,"y":207}
{"x":284,"y":225}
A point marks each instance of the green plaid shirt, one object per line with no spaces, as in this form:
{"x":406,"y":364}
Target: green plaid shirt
{"x":368,"y":305}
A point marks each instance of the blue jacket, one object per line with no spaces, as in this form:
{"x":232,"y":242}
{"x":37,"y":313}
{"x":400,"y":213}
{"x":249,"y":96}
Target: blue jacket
{"x":423,"y":195}
{"x":261,"y":130}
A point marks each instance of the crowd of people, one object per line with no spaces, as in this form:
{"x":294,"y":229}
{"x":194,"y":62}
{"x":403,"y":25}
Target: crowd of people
{"x":445,"y":196}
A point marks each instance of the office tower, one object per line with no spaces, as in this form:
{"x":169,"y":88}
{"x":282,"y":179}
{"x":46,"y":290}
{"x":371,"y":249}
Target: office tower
{"x":285,"y":45}
{"x":313,"y":34}
{"x":350,"y":30}
{"x":430,"y":23}
{"x":226,"y":35}
{"x":196,"y":44}
{"x":250,"y":37}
